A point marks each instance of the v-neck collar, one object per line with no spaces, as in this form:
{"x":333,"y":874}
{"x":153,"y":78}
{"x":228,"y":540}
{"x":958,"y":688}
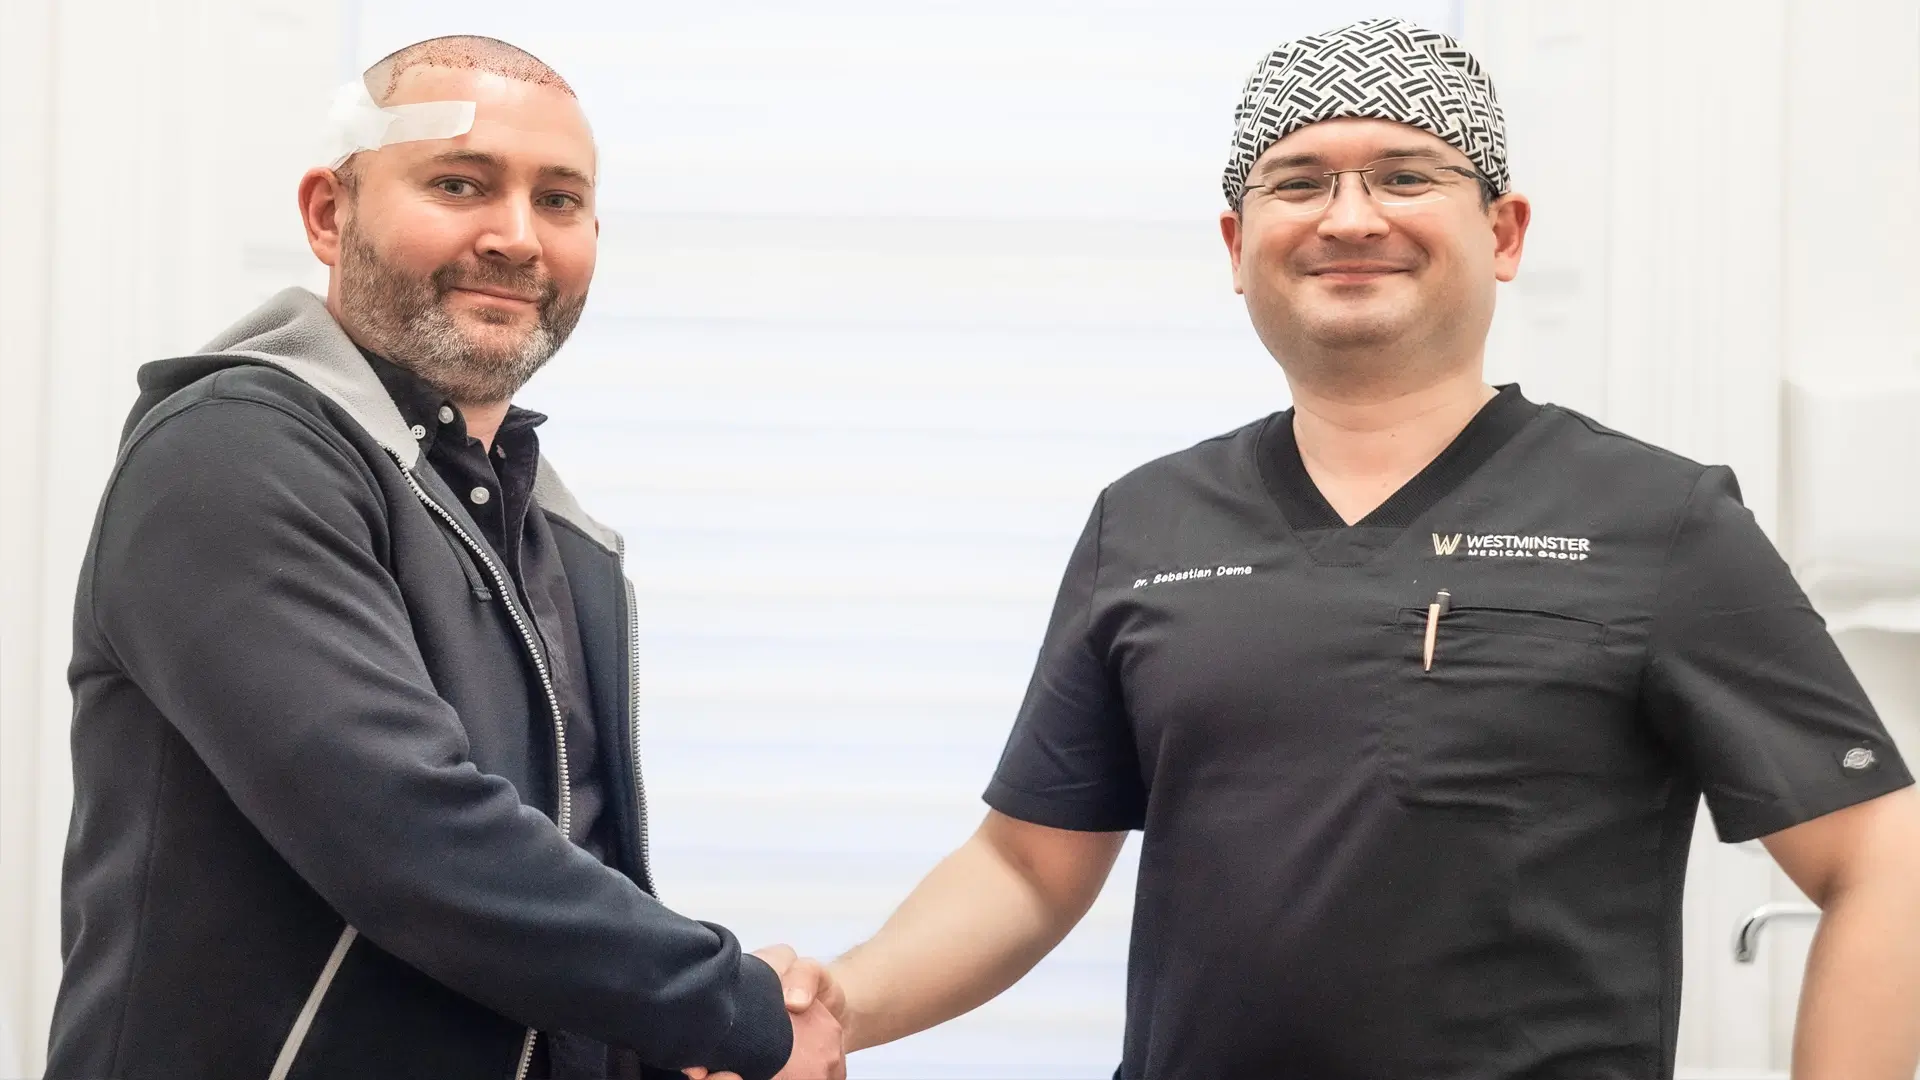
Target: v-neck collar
{"x":1305,"y":508}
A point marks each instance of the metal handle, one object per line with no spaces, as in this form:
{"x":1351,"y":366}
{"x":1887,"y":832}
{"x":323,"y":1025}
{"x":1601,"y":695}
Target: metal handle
{"x":1746,"y":942}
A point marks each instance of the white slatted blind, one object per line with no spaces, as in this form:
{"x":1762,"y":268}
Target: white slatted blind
{"x":887,"y":293}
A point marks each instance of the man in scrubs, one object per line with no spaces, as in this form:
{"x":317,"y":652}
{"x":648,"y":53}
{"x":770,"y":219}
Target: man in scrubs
{"x":1415,"y":687}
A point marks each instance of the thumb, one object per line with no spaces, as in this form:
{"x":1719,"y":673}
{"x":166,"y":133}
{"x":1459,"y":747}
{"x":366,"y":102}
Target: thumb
{"x":799,"y":997}
{"x":695,"y":1073}
{"x":778,"y":957}
{"x":805,"y":982}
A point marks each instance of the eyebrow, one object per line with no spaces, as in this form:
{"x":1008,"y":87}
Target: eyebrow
{"x":1294,"y":161}
{"x":567,"y":172}
{"x":482,"y":160}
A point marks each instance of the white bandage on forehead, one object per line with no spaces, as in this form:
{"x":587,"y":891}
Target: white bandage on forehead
{"x":356,"y":123}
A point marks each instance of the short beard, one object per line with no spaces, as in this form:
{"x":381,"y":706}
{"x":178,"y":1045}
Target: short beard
{"x":404,"y":318}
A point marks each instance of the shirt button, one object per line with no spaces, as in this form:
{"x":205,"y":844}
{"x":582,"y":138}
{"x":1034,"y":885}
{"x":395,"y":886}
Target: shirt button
{"x":419,"y":432}
{"x":479,"y":496}
{"x":500,"y":452}
{"x":446,"y":414}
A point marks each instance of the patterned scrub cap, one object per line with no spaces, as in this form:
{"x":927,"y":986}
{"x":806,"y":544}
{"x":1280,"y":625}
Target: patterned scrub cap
{"x":1384,"y":69}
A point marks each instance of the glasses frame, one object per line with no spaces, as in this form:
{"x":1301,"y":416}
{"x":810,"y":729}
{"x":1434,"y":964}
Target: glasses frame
{"x":1333,"y":189}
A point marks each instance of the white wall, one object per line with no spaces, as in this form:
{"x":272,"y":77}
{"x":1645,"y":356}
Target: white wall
{"x":1852,"y":311}
{"x":1727,"y":195}
{"x":147,"y":159}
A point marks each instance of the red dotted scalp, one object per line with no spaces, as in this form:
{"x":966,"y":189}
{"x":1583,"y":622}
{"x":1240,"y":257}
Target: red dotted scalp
{"x":466,"y":52}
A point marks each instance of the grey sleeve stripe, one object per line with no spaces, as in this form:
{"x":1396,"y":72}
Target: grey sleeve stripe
{"x":289,"y":1050}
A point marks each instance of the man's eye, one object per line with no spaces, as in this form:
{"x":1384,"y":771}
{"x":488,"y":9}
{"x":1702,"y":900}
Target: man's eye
{"x":1406,"y":177}
{"x":559,"y":201}
{"x":1295,"y":189}
{"x":453,"y":185}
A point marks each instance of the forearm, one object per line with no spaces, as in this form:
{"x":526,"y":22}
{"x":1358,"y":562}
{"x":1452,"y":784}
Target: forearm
{"x":1860,"y":1002}
{"x":969,"y":931}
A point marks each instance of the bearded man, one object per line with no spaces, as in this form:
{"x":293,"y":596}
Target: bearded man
{"x":356,"y":785}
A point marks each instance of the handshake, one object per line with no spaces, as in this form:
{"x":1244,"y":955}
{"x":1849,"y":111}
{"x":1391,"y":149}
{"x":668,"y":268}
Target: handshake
{"x":974,"y":926}
{"x":817,"y":1006}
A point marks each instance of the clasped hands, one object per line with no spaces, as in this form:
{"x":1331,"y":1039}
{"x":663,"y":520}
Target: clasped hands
{"x":816,"y":1006}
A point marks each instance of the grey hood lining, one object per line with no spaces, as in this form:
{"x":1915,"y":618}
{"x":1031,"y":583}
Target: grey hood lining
{"x":294,"y":331}
{"x":552,"y":496}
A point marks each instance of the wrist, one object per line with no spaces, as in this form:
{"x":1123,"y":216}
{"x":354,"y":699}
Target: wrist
{"x":856,"y":1020}
{"x":760,"y":1039}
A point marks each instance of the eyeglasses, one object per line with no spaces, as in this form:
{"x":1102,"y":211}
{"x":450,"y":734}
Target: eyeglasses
{"x":1395,"y":183}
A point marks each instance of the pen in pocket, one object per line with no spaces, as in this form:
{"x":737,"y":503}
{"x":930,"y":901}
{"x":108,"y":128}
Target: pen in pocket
{"x":1436,"y":609}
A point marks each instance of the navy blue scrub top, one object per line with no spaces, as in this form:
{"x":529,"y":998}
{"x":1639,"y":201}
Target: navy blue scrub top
{"x":1355,"y":868}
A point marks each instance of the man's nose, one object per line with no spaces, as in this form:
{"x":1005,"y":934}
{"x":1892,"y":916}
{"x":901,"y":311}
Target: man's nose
{"x":510,"y":233}
{"x":1351,"y":213}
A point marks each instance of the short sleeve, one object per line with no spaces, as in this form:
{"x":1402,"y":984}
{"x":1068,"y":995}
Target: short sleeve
{"x":1746,"y":684}
{"x":1070,"y":762}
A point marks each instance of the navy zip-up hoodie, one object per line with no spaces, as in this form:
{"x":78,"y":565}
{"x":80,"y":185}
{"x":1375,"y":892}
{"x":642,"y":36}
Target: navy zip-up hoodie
{"x":314,"y":762}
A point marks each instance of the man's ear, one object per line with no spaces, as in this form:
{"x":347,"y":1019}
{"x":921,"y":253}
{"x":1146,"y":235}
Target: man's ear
{"x":1510,"y":215}
{"x":323,"y":199}
{"x":1230,"y":231}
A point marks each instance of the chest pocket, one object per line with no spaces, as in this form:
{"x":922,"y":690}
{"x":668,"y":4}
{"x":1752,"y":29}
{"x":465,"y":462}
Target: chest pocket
{"x":1516,"y":701}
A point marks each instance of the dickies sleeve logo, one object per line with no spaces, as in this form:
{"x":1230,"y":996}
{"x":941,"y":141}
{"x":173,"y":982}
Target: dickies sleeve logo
{"x":1510,"y":546}
{"x":1859,"y":760}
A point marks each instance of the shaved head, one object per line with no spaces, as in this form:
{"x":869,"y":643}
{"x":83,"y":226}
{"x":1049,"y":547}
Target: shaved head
{"x":461,"y":52}
{"x":455,"y":52}
{"x":465,"y":258}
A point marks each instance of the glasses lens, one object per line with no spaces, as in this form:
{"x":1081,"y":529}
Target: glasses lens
{"x":1298,"y":190}
{"x":1398,"y":181}
{"x":1393,"y":182}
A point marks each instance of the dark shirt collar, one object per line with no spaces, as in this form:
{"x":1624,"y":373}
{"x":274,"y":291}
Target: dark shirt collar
{"x":1498,"y":421}
{"x":431,"y":413}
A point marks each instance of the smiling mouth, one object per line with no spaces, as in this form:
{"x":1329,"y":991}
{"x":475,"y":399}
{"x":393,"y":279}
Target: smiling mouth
{"x":1353,"y":277}
{"x":492,"y":295}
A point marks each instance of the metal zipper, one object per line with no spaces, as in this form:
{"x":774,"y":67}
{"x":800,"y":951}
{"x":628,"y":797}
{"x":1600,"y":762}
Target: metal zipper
{"x":565,"y":817}
{"x":633,"y":719}
{"x":303,"y":1023}
{"x":526,"y":1055}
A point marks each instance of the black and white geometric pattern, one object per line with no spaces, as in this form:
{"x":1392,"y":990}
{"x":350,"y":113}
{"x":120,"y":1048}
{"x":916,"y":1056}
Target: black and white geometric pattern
{"x":1384,"y":69}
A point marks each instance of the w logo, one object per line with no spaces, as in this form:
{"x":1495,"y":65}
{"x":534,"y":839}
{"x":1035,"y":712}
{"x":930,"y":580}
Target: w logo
{"x":1446,"y":545}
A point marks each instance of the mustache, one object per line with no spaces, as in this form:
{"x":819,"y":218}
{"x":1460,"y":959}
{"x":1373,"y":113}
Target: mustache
{"x":518,"y":279}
